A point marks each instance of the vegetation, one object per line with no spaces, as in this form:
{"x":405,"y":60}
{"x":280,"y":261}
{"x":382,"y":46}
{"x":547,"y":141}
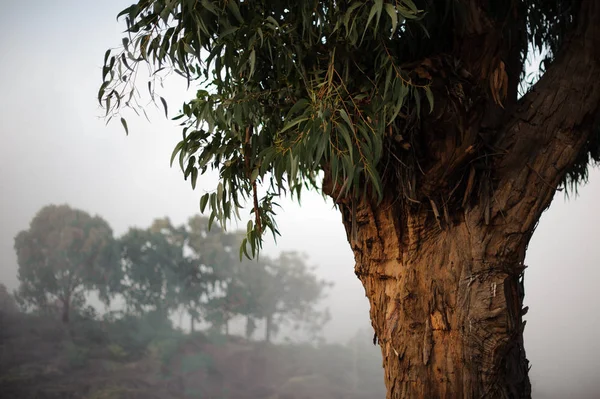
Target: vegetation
{"x":160,"y":270}
{"x":414,"y":117}
{"x":141,"y":357}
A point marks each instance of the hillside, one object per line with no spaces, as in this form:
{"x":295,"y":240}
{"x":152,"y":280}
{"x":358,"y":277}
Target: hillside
{"x":141,"y":358}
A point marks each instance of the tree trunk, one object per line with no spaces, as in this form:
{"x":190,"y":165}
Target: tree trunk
{"x":443,"y":271}
{"x":268,"y":328}
{"x":66,"y":309}
{"x":446,"y":304}
{"x":250,"y":327}
{"x":191,"y":324}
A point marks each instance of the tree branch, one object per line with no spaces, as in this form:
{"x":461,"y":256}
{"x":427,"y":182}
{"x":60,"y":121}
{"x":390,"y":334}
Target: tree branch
{"x":550,"y":126}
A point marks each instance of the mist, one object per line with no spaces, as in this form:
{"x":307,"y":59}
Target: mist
{"x":57,"y":149}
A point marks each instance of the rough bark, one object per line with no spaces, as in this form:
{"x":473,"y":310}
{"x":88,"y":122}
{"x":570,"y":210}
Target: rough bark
{"x":445,"y":307}
{"x":447,"y":295}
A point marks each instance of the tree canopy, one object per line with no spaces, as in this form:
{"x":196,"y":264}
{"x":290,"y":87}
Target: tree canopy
{"x":150,"y":269}
{"x":64,"y":254}
{"x":287,"y":96}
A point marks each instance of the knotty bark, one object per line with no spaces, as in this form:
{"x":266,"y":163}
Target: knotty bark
{"x":445,"y":285}
{"x":445,"y":307}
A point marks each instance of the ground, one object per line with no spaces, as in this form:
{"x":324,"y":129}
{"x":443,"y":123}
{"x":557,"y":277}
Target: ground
{"x":130,"y":358}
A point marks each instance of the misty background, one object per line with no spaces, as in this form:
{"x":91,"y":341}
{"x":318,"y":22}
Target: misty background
{"x":56,"y":149}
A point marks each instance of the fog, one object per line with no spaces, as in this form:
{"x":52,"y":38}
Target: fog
{"x":56,"y":148}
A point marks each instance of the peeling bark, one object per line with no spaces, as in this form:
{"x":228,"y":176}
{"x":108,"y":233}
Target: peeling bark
{"x":445,"y":307}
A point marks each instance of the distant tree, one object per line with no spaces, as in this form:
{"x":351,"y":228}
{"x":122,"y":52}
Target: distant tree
{"x":282,"y":290}
{"x":208,"y":271}
{"x":8,"y":304}
{"x":64,"y":254}
{"x":150,"y":264}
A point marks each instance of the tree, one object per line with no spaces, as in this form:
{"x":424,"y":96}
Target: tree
{"x":417,"y":118}
{"x":150,"y":268}
{"x":288,"y":292}
{"x":64,"y":254}
{"x":191,"y":280}
{"x":210,"y":272}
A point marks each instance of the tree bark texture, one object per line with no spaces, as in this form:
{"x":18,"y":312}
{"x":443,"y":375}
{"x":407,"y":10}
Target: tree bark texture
{"x":445,"y":282}
{"x":446,"y":305}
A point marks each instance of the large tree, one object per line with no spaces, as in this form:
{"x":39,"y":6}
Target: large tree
{"x":414,"y":117}
{"x":63,"y":255}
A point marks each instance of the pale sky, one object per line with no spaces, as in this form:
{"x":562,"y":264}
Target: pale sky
{"x":56,"y":148}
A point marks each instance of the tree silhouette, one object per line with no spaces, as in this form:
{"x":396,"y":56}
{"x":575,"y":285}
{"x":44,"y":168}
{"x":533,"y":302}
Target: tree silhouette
{"x":64,"y":254}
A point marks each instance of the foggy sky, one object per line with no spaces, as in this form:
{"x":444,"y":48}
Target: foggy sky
{"x":56,"y":148}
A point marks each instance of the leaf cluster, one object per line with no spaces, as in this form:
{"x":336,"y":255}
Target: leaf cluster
{"x":286,"y":92}
{"x":291,"y":91}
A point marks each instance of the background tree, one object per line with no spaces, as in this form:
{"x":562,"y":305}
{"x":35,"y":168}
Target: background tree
{"x":63,"y":255}
{"x":210,"y":270}
{"x":415,"y":115}
{"x":150,"y":268}
{"x":288,"y":291}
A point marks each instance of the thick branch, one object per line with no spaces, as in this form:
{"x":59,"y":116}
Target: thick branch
{"x":550,"y":126}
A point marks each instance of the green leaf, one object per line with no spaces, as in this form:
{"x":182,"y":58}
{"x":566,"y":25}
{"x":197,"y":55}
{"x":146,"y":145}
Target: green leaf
{"x":211,"y":219}
{"x":388,"y":79}
{"x":346,"y":118}
{"x":429,"y":95}
{"x":194,"y":177}
{"x":347,"y":137}
{"x":210,"y":7}
{"x":411,"y":5}
{"x":272,"y":20}
{"x":391,"y":10}
{"x":243,"y":249}
{"x":293,"y":123}
{"x":204,"y":202}
{"x":220,"y":192}
{"x":233,"y":7}
{"x":297,"y":107}
{"x":348,"y":14}
{"x":176,"y":150}
{"x":252,"y":62}
{"x":124,"y":123}
{"x":375,"y":10}
{"x":101,"y":91}
{"x":164,"y":103}
{"x":106,"y":55}
{"x":400,"y":94}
